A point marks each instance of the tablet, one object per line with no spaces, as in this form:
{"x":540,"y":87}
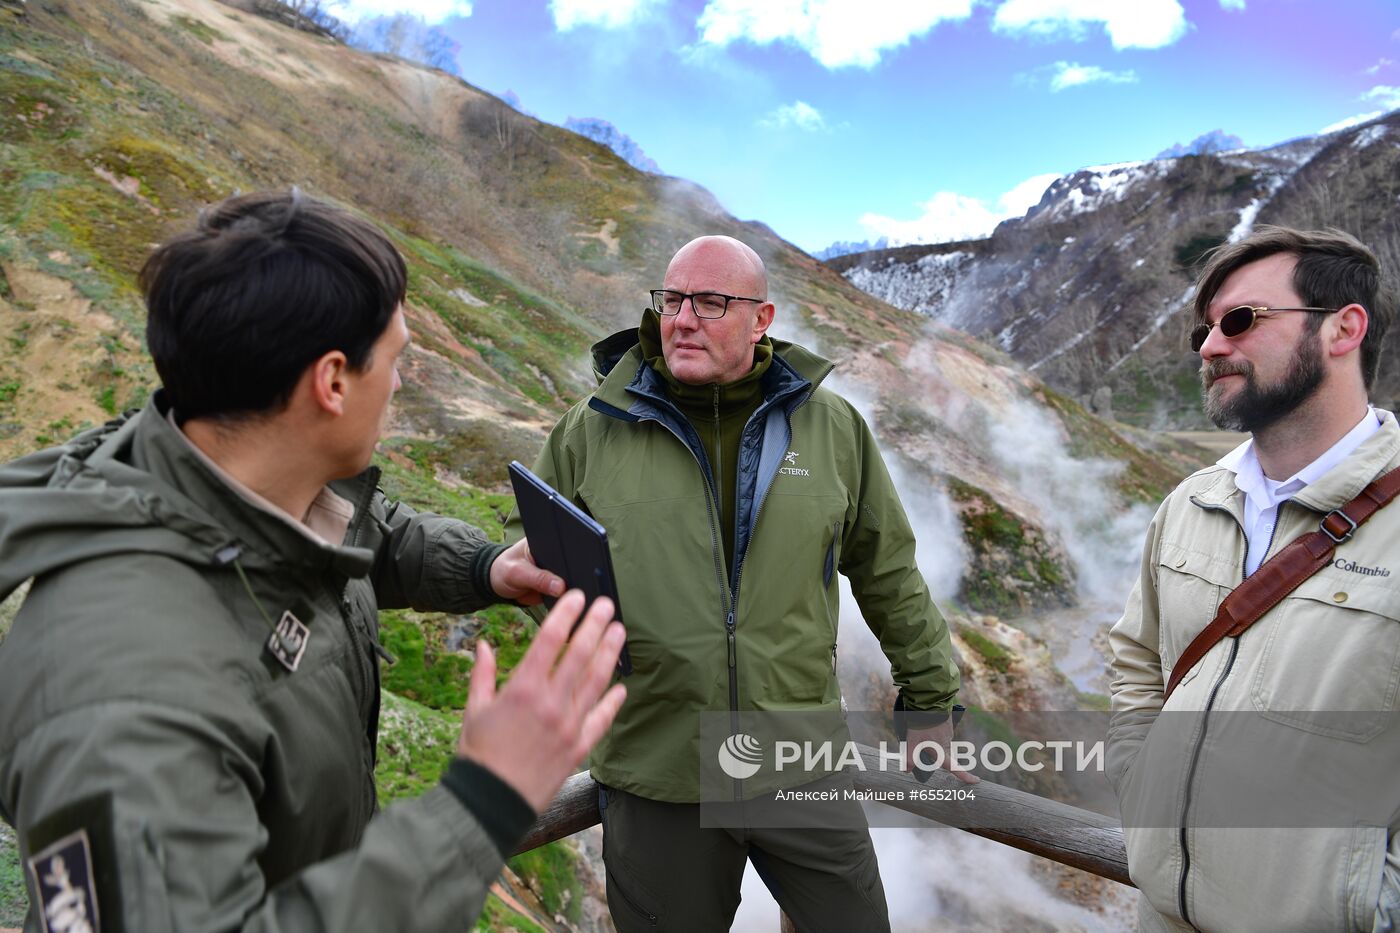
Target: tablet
{"x":567,"y":541}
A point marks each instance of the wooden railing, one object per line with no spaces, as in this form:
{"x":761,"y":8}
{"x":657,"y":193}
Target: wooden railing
{"x":1052,"y":830}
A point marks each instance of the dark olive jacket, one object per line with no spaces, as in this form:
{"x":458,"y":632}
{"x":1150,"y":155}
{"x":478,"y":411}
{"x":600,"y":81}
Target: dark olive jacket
{"x":144,"y":721}
{"x":813,"y":498}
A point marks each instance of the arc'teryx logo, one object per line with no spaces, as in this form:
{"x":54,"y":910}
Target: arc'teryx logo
{"x":792,"y":469}
{"x":740,"y":756}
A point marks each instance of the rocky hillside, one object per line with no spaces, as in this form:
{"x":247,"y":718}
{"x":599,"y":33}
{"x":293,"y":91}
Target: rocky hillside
{"x":525,"y":243}
{"x":1087,"y":289}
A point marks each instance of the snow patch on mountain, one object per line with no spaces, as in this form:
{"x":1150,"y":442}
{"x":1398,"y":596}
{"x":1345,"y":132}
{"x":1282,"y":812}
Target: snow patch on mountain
{"x":924,"y":285}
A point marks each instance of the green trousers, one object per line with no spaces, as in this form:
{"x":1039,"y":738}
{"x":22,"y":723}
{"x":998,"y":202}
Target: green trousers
{"x":666,"y":871}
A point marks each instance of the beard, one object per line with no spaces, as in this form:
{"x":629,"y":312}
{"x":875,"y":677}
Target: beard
{"x":1255,"y":407}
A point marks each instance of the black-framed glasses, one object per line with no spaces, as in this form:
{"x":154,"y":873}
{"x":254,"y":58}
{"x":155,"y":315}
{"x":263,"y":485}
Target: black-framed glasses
{"x":1238,"y":320}
{"x":709,"y":305}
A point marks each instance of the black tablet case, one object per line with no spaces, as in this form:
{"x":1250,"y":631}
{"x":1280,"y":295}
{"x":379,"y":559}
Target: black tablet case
{"x":567,"y":541}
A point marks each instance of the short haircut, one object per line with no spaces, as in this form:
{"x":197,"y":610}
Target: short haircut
{"x":1334,"y":270}
{"x":266,"y":284}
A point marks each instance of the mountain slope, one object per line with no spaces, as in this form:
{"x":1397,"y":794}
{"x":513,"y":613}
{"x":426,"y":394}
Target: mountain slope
{"x":119,"y":119}
{"x":1090,"y":289}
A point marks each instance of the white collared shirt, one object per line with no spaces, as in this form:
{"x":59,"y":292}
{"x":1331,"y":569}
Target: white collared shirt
{"x":1263,"y":495}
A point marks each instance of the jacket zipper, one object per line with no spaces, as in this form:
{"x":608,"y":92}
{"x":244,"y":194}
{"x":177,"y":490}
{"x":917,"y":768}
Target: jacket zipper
{"x":717,"y":470}
{"x":1210,"y":704}
{"x":730,"y":594}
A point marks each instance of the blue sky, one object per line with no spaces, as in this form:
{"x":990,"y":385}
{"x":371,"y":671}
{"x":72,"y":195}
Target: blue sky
{"x":851,"y":119}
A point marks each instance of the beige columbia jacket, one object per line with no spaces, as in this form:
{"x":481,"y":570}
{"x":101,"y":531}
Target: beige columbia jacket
{"x":1244,"y":807}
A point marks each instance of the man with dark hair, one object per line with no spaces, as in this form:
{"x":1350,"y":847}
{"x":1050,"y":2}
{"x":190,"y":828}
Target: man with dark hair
{"x":734,"y":486}
{"x":191,"y":687}
{"x":1288,"y":328}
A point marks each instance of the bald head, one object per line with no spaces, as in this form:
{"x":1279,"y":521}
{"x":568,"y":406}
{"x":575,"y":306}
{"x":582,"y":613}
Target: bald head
{"x":726,"y":257}
{"x":701,"y":351}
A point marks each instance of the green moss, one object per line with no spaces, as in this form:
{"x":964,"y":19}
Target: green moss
{"x":418,"y":485}
{"x":1145,"y":478}
{"x":422,"y":673}
{"x":415,"y":745}
{"x":1012,"y":566}
{"x":995,"y":655}
{"x":498,"y":916}
{"x":199,"y":29}
{"x":14,"y":898}
{"x":525,"y":338}
{"x":8,"y":391}
{"x":551,"y":872}
{"x":107,"y":399}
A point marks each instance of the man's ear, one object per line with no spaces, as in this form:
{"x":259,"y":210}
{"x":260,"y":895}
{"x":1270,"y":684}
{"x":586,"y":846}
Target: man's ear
{"x":762,"y":321}
{"x":326,"y":382}
{"x":1348,"y":329}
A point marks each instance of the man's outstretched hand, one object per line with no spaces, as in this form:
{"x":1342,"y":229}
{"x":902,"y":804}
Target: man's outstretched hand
{"x":516,"y":576}
{"x":556,"y":705}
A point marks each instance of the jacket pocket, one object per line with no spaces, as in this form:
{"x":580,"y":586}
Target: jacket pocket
{"x":1191,"y":585}
{"x":1329,"y":663}
{"x":829,"y":567}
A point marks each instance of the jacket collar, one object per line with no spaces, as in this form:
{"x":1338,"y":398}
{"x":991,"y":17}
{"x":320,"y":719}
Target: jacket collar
{"x":622,"y":372}
{"x":1333,"y":489}
{"x":185,"y":494}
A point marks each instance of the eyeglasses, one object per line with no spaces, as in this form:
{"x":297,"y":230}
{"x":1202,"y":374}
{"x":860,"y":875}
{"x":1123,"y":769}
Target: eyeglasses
{"x":709,"y":305}
{"x":1238,"y":320}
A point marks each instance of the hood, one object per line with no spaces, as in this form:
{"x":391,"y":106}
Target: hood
{"x":134,"y":485}
{"x":610,"y":353}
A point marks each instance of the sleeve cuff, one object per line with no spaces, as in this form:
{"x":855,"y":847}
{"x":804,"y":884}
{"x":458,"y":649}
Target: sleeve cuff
{"x":501,"y":811}
{"x":481,"y":570}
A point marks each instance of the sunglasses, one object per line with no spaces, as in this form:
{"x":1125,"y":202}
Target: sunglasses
{"x":1238,"y":320}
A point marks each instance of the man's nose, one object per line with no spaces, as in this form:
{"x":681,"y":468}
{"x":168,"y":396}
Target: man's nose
{"x":1216,"y":345}
{"x":686,"y":316}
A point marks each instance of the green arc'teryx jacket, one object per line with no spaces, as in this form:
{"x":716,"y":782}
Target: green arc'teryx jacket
{"x":813,"y":497}
{"x":144,"y":721}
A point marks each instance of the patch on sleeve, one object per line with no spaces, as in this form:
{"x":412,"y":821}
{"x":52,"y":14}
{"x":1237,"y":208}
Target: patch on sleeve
{"x":72,"y":869}
{"x":66,"y":885}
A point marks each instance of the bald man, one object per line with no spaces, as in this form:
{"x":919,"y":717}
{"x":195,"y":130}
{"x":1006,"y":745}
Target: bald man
{"x":733,"y":487}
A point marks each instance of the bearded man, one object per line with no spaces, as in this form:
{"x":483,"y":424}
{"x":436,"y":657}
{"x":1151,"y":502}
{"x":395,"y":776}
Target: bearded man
{"x":1289,"y":326}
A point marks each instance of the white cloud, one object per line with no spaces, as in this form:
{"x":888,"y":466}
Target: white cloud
{"x":609,"y":14}
{"x":837,"y":33}
{"x":1143,"y":24}
{"x":1073,"y":74}
{"x":951,"y":216}
{"x":1236,"y":5}
{"x":798,"y":114}
{"x":1385,"y":95}
{"x":430,"y":11}
{"x":1383,"y":63}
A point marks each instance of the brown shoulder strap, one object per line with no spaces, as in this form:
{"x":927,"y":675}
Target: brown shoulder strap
{"x":1281,"y":574}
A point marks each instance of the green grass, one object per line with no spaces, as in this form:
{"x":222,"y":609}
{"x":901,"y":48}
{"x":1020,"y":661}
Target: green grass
{"x":8,"y":391}
{"x":1011,"y":560}
{"x":14,"y":899}
{"x":498,"y":916}
{"x":552,"y":873}
{"x":995,"y":655}
{"x":199,"y":29}
{"x":415,"y":745}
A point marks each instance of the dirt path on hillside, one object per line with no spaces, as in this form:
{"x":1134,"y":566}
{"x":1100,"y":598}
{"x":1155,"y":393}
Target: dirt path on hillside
{"x":1217,"y":442}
